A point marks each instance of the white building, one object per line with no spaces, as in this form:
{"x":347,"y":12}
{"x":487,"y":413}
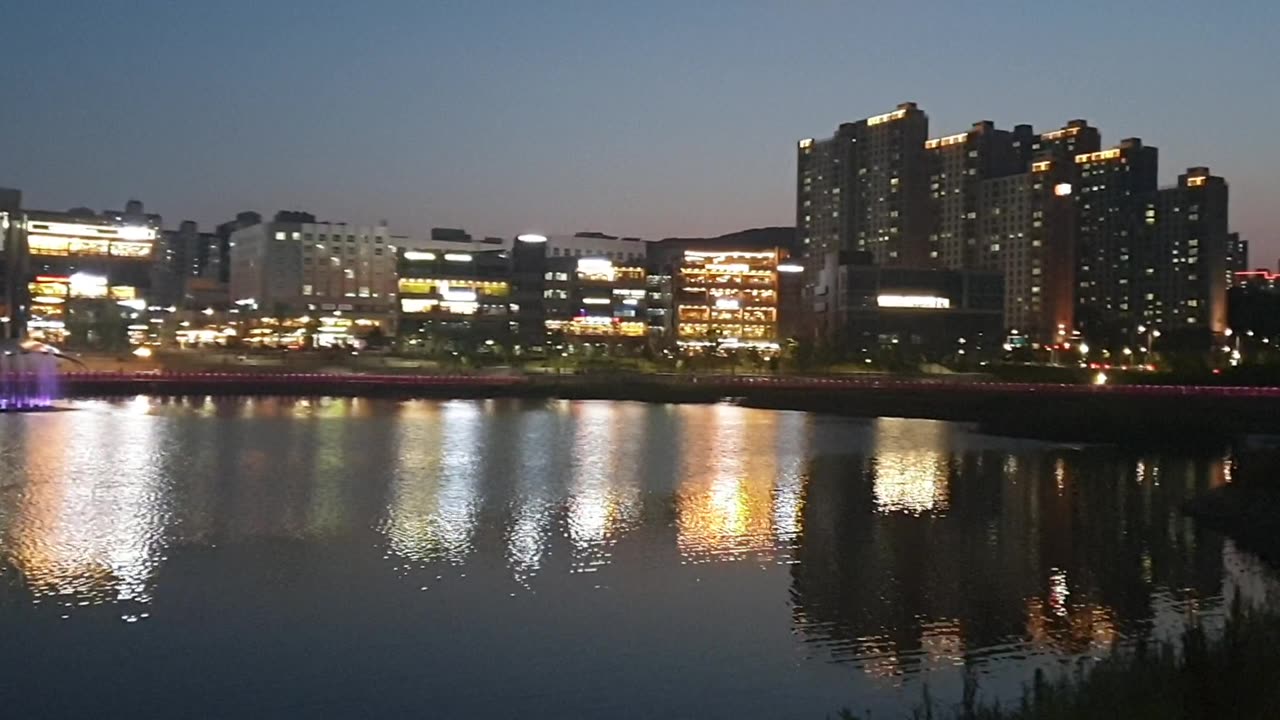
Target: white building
{"x":297,"y":264}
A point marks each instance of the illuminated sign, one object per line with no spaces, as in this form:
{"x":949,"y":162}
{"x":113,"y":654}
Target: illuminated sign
{"x":931,"y":302}
{"x":723,"y":255}
{"x":416,"y":305}
{"x":419,"y":255}
{"x":457,"y":257}
{"x":595,"y":265}
{"x":595,"y":301}
{"x":788,"y":268}
{"x":730,"y":268}
{"x":81,"y":230}
{"x":457,"y":295}
{"x":532,"y":238}
{"x":596,"y":268}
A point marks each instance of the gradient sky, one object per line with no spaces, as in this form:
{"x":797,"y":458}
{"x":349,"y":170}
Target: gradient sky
{"x":650,"y":118}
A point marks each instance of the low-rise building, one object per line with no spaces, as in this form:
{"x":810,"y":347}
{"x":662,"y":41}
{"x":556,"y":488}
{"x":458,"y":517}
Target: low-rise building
{"x":83,"y":276}
{"x":728,"y":300}
{"x":295,"y":264}
{"x":453,"y":301}
{"x":920,"y":315}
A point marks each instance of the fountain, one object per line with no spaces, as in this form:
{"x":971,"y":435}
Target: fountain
{"x":28,"y":375}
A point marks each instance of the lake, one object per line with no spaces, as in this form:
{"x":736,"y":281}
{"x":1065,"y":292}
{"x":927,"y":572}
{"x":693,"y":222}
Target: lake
{"x":501,"y":558}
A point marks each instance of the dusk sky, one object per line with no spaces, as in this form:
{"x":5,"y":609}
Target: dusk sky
{"x":651,"y":118}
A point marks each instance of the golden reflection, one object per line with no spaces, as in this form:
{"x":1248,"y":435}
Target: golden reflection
{"x":1056,"y":626}
{"x":879,"y":658}
{"x":725,"y":503}
{"x":90,"y":521}
{"x":942,"y":643}
{"x":910,"y":465}
{"x":434,"y":499}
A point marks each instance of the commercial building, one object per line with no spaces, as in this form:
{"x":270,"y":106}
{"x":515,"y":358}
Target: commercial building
{"x":587,"y":289}
{"x":630,"y":251}
{"x":1112,"y":192}
{"x":595,"y":300}
{"x":452,"y":240}
{"x":295,"y":264}
{"x":453,"y":302}
{"x":919,"y":315}
{"x":1182,"y":277}
{"x":728,"y":299}
{"x":81,"y":276}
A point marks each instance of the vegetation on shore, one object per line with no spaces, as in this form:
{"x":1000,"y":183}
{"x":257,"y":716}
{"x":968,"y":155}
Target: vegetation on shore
{"x":1231,"y":673}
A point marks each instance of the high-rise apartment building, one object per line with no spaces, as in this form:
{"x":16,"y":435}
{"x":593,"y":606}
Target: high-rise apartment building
{"x":1237,"y":256}
{"x":188,"y":263}
{"x":1075,"y":138}
{"x":957,"y":165}
{"x":864,"y":189}
{"x":1181,"y":280}
{"x":1112,"y":190}
{"x":1026,"y":232}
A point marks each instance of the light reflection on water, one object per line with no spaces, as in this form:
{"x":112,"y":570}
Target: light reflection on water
{"x":836,"y":562}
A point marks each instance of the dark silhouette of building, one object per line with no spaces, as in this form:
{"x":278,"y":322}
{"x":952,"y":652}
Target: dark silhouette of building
{"x":918,"y":315}
{"x":11,"y":265}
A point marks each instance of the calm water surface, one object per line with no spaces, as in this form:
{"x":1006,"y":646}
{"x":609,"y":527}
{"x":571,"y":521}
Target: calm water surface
{"x":353,"y":558}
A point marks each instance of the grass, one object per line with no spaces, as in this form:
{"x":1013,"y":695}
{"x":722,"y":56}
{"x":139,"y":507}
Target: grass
{"x":1234,"y":673}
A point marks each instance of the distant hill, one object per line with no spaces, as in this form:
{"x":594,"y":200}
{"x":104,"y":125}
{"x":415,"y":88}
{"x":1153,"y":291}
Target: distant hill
{"x":753,"y":239}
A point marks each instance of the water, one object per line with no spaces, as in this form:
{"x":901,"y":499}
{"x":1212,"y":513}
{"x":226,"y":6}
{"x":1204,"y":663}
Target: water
{"x":476,"y":559}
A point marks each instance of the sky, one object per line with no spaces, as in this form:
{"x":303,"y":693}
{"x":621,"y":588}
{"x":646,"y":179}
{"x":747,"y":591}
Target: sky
{"x":652,"y":118}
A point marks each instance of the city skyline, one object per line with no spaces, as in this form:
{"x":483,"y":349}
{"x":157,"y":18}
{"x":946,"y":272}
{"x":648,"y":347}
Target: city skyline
{"x":616,"y":120}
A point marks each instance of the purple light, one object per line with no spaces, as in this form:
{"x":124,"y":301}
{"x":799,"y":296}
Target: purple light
{"x":28,"y":380}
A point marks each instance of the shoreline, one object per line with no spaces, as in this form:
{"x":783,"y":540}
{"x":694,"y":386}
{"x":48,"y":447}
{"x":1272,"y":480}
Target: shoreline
{"x":1144,"y":414}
